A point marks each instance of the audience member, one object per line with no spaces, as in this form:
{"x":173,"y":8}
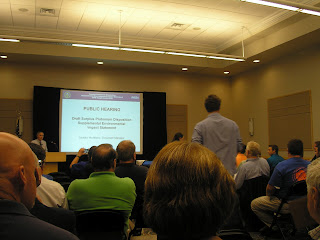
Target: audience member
{"x":221,"y":135}
{"x":274,"y":158}
{"x":188,"y":193}
{"x":178,"y":137}
{"x":241,"y":157}
{"x":313,"y":185}
{"x":127,"y":167}
{"x":19,"y":177}
{"x":103,"y":189}
{"x":316,"y":148}
{"x":39,"y":141}
{"x":81,"y":166}
{"x":284,"y":176}
{"x":50,"y":193}
{"x":253,"y":167}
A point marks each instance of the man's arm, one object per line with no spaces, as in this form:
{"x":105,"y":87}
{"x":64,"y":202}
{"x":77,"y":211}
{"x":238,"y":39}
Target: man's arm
{"x":270,"y":190}
{"x":240,"y":177}
{"x":239,"y":139}
{"x":76,"y":159}
{"x":196,"y":136}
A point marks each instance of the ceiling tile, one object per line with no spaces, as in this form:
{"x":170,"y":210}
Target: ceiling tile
{"x":74,"y":5}
{"x":46,"y":22}
{"x":69,"y":19}
{"x":152,"y":28}
{"x":5,"y":14}
{"x":23,"y":19}
{"x":134,"y":25}
{"x":23,"y":2}
{"x":93,"y":17}
{"x":168,"y":34}
{"x":55,"y":4}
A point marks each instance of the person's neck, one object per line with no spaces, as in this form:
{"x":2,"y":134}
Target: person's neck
{"x":293,"y":156}
{"x":214,"y":112}
{"x":104,"y":170}
{"x":8,"y":196}
{"x":127,"y":162}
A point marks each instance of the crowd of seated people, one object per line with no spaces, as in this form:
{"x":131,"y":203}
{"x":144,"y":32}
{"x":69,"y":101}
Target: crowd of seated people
{"x":168,"y":197}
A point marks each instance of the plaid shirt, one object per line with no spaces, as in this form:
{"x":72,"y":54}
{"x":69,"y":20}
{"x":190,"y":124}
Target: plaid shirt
{"x":315,"y":233}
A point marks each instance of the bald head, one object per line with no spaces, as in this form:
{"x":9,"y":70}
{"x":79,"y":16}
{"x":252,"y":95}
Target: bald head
{"x":17,"y":170}
{"x":126,"y":151}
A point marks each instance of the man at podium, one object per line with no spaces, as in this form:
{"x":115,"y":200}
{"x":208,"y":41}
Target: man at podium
{"x":40,"y":141}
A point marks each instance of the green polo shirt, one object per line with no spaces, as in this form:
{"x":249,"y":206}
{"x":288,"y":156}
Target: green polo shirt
{"x":103,"y":190}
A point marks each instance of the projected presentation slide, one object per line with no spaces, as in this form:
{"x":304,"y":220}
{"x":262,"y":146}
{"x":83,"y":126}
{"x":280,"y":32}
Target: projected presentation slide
{"x":90,"y":118}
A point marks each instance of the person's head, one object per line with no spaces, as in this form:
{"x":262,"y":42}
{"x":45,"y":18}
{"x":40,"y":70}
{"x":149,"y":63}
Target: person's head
{"x":243,"y":148}
{"x":273,"y":149}
{"x":313,"y":185}
{"x":40,"y":135}
{"x":295,"y":147}
{"x":104,"y":158}
{"x":212,"y":103}
{"x":253,"y":149}
{"x":39,"y":152}
{"x":90,"y":152}
{"x":316,"y":148}
{"x":19,"y":175}
{"x":177,"y":137}
{"x":188,"y":192}
{"x":126,"y":151}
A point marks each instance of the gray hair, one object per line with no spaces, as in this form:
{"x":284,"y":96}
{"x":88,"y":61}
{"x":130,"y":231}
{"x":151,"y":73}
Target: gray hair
{"x":253,"y":148}
{"x":313,"y":175}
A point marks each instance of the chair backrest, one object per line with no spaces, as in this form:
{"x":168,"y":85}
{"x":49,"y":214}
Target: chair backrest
{"x":100,"y":224}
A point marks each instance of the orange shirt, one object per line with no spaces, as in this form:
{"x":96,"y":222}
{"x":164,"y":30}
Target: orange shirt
{"x":240,"y":157}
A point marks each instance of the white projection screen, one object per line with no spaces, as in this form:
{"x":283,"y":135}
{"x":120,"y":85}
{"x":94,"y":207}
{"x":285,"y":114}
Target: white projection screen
{"x":91,"y":118}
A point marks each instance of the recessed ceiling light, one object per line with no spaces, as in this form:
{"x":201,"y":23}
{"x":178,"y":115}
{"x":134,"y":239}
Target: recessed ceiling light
{"x":23,"y":9}
{"x":256,"y":61}
{"x":196,"y":28}
{"x":100,"y":63}
{"x":3,"y":56}
{"x":226,"y":72}
{"x":184,"y":69}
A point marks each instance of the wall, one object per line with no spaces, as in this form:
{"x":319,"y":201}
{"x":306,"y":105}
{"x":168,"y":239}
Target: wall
{"x":17,"y":81}
{"x":295,"y":73}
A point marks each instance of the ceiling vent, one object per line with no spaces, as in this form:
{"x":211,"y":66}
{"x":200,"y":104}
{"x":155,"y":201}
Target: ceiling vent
{"x":49,"y":12}
{"x":177,"y":26}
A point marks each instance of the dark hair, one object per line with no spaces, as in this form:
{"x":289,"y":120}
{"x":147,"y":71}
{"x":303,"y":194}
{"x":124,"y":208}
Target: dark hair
{"x":274,"y":148}
{"x":91,"y":150}
{"x":243,"y":148}
{"x":103,"y":156}
{"x":295,"y":147}
{"x":317,"y":143}
{"x":38,"y":151}
{"x":177,"y":136}
{"x":188,"y":192}
{"x":212,"y":103}
{"x":126,"y":150}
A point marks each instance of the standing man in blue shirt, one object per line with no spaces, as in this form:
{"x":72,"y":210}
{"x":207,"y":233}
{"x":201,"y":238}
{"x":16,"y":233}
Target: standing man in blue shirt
{"x":221,"y":135}
{"x":274,"y":158}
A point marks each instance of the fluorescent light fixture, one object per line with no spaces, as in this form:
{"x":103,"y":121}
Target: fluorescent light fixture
{"x":9,"y":40}
{"x":141,"y":50}
{"x":186,"y":54}
{"x":95,"y":46}
{"x":226,"y":72}
{"x":227,"y":58}
{"x":310,"y":12}
{"x":100,"y":63}
{"x":184,"y":69}
{"x":292,"y":6}
{"x":272,"y":4}
{"x":256,"y":61}
{"x":3,"y":56}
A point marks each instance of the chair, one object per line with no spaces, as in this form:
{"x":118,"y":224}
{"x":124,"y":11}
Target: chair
{"x":100,"y":224}
{"x":250,"y":190}
{"x":280,"y":220}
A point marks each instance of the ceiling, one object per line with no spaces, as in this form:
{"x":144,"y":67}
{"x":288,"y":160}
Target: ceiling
{"x":46,"y":29}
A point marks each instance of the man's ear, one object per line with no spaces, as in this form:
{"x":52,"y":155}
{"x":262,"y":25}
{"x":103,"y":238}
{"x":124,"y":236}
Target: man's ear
{"x":22,"y":176}
{"x":114,"y":163}
{"x":134,"y":156}
{"x":38,"y":175}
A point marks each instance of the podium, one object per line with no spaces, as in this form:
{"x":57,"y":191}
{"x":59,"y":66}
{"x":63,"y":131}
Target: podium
{"x":52,"y":160}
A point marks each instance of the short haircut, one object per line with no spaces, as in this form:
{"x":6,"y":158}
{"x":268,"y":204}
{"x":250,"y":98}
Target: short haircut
{"x":38,"y":150}
{"x":317,"y":143}
{"x":188,"y":192}
{"x":274,"y":148}
{"x":295,"y":147}
{"x":103,"y":156}
{"x":212,"y":103}
{"x":39,"y":132}
{"x":243,"y":148}
{"x":253,"y":148}
{"x":90,"y":152}
{"x":313,"y":175}
{"x":177,"y":136}
{"x":126,"y":150}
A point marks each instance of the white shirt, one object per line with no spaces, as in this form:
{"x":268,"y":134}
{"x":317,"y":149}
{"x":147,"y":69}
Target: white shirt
{"x":52,"y":194}
{"x":42,"y":143}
